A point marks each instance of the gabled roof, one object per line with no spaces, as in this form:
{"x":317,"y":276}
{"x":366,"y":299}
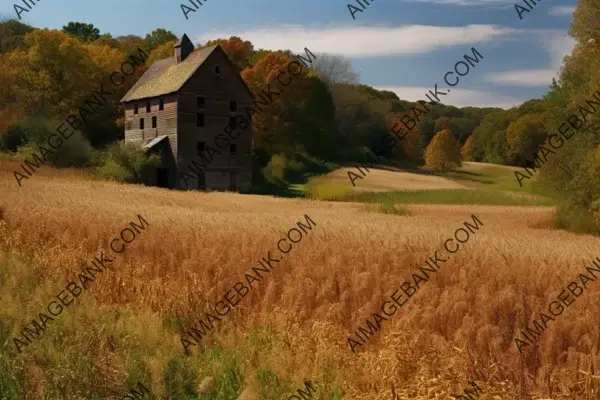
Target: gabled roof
{"x":166,"y":76}
{"x":154,"y":142}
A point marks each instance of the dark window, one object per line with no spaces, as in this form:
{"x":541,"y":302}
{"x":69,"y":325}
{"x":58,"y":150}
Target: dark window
{"x":232,"y":122}
{"x":202,"y":181}
{"x":232,"y":149}
{"x":161,"y":105}
{"x":147,"y":105}
{"x":201,"y":102}
{"x":154,"y":122}
{"x":199,"y":119}
{"x":232,"y":105}
{"x":135,"y":108}
{"x":232,"y":182}
{"x":217,"y":69}
{"x":200,"y":147}
{"x":141,"y":123}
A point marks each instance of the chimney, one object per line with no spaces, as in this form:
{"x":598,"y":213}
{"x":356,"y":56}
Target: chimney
{"x":183,"y":48}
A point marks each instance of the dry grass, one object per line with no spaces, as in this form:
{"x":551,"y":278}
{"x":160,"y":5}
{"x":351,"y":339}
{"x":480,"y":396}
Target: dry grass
{"x":458,"y":327}
{"x":470,"y":166}
{"x":385,"y":180}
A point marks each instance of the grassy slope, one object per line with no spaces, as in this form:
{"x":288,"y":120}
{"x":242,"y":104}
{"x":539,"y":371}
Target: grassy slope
{"x":474,"y":183}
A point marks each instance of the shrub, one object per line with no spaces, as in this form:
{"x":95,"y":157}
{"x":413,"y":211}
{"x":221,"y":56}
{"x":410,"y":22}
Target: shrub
{"x":126,"y":162}
{"x":13,"y":138}
{"x":275,"y":169}
{"x":75,"y":152}
{"x":72,"y":152}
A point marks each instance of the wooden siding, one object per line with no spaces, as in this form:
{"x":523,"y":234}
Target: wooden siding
{"x":217,"y":93}
{"x":166,"y":120}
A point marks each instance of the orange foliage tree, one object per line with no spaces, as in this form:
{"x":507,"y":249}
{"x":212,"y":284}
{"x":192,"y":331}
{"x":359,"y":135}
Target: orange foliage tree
{"x":239,"y":51}
{"x":443,"y":153}
{"x":408,"y":148}
{"x":468,"y":149}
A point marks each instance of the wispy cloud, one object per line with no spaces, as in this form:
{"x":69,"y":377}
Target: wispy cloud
{"x":556,"y":44}
{"x":559,"y":11}
{"x":457,"y":97}
{"x":367,"y":41}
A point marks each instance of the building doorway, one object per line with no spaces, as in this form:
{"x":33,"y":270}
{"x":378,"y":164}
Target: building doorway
{"x":162,"y":177}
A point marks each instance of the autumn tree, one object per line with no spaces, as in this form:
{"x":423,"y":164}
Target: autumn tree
{"x":85,"y":32}
{"x":468,"y":149}
{"x":163,"y":51}
{"x":53,"y":75}
{"x":408,"y":148}
{"x":107,"y":39}
{"x":239,"y":51}
{"x":130,"y":43}
{"x":443,"y":153}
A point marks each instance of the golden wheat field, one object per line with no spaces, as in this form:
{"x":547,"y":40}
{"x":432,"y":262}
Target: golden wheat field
{"x":294,"y":324}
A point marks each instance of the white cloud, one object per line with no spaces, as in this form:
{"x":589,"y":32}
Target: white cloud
{"x":557,"y":47}
{"x":367,"y":41}
{"x":556,"y":44}
{"x":457,"y":97}
{"x":561,"y":10}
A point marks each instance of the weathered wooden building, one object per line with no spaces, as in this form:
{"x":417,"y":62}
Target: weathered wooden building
{"x":178,"y":108}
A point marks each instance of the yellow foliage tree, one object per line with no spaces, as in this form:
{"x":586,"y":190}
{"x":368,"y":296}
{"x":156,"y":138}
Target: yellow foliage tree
{"x":443,"y":152}
{"x":161,"y":52}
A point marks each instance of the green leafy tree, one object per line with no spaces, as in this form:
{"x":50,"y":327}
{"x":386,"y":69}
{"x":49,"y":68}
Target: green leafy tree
{"x":524,"y":136}
{"x":490,"y":136}
{"x":579,"y":80}
{"x":159,"y":36}
{"x":85,"y":32}
{"x":427,"y":128}
{"x":12,"y":35}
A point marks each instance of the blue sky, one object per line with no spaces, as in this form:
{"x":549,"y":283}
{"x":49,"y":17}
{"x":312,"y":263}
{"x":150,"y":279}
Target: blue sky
{"x":401,"y":45}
